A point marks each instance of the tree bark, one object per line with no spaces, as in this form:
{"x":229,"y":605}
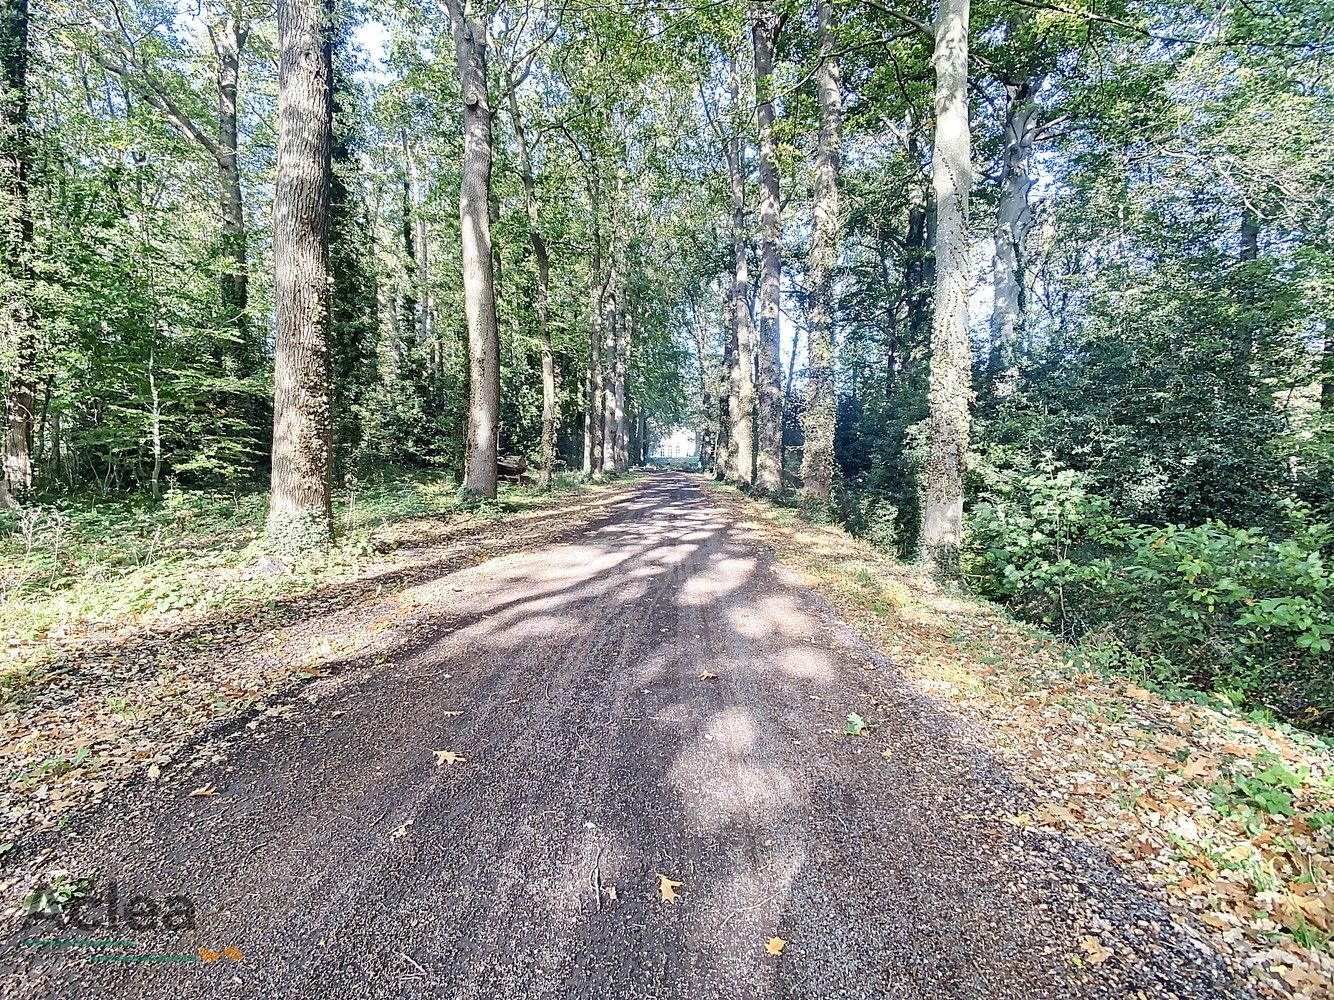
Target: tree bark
{"x":300,"y":503}
{"x":741,"y":395}
{"x":817,"y":460}
{"x":547,"y":460}
{"x":479,"y":301}
{"x":950,"y":390}
{"x":769,"y":463}
{"x":19,"y":337}
{"x":1013,"y":220}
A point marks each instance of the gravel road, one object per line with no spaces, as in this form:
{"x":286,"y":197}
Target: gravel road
{"x":654,"y":696}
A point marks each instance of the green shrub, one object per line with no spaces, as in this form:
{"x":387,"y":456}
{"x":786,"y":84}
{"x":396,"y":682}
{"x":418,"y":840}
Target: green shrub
{"x":1211,"y":606}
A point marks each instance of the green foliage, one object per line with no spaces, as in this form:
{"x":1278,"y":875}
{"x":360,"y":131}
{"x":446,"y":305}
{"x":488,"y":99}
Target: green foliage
{"x":1269,"y":791}
{"x":1209,"y":605}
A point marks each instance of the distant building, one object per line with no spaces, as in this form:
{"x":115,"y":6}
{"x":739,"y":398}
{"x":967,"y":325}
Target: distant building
{"x":677,"y":444}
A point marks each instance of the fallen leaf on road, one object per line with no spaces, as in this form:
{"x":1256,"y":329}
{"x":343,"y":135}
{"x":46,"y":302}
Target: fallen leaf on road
{"x":400,"y":831}
{"x":667,"y":887}
{"x":450,"y":715}
{"x":443,"y":757}
{"x":1093,"y":948}
{"x":856,"y":725}
{"x":202,"y":792}
{"x":775,"y":946}
{"x":887,"y":753}
{"x":707,"y":675}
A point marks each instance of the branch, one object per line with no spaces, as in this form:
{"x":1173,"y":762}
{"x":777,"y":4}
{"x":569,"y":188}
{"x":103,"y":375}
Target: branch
{"x":152,"y":93}
{"x":1143,"y":32}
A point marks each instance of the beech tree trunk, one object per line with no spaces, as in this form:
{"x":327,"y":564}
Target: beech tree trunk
{"x":817,"y":460}
{"x":479,"y":300}
{"x":769,"y":460}
{"x":950,"y":391}
{"x":1013,"y":221}
{"x":741,"y":394}
{"x":19,"y":339}
{"x":547,"y":460}
{"x":300,"y":508}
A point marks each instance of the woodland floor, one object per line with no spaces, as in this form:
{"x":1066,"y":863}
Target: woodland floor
{"x":481,"y":775}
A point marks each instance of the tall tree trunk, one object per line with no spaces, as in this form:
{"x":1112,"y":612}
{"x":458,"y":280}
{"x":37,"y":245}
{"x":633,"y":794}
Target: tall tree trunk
{"x":951,"y":356}
{"x":593,"y":415}
{"x":706,"y":436}
{"x":611,"y":416}
{"x":722,"y":450}
{"x":1013,"y":220}
{"x":741,"y":396}
{"x":623,"y":345}
{"x":300,"y":505}
{"x":919,"y":263}
{"x":479,"y":301}
{"x":19,"y":338}
{"x":229,"y":39}
{"x":769,"y":464}
{"x":547,"y":460}
{"x":817,"y":460}
{"x":406,"y":319}
{"x":422,"y":254}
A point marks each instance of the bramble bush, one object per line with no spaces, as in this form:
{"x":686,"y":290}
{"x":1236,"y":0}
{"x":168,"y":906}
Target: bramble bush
{"x":1226,"y":609}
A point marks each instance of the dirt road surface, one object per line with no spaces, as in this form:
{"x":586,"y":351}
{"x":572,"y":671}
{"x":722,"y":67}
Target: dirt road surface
{"x":340,"y":856}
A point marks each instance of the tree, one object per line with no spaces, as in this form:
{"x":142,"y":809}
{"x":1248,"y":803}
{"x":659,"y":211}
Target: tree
{"x":300,"y":503}
{"x":229,"y":24}
{"x":550,"y":416}
{"x":16,"y":323}
{"x":951,"y":354}
{"x":817,"y":458}
{"x":741,"y":381}
{"x":470,"y":44}
{"x":765,"y":27}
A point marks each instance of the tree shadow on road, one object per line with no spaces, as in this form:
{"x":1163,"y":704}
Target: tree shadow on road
{"x":338,"y":852}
